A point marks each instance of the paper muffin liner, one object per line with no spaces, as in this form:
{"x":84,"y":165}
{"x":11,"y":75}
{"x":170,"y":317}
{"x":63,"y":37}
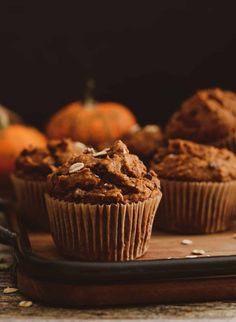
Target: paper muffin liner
{"x":196,"y":207}
{"x":229,"y":142}
{"x":113,"y":232}
{"x":31,"y":202}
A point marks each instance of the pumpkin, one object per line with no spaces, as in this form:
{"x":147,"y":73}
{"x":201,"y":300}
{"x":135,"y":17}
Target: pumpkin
{"x":91,"y":122}
{"x":13,"y":139}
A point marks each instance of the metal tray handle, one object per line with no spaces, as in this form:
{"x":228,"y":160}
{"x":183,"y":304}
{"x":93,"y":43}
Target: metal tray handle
{"x":7,"y":237}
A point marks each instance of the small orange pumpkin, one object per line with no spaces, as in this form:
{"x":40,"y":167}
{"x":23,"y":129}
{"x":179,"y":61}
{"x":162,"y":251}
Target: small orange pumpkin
{"x":90,"y":122}
{"x":13,"y":139}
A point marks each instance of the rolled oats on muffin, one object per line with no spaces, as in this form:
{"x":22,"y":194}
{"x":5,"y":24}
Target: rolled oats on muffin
{"x":207,"y":117}
{"x":144,"y":141}
{"x":32,"y":168}
{"x":199,"y":187}
{"x":101,"y":205}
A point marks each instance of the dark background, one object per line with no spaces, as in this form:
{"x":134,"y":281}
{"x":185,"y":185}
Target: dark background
{"x":148,"y":55}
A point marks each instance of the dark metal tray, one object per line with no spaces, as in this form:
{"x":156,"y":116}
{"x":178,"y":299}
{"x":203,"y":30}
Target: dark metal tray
{"x":215,"y":275}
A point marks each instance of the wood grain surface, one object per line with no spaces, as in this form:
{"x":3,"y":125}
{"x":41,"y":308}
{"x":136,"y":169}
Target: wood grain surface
{"x":10,"y":311}
{"x":162,"y":245}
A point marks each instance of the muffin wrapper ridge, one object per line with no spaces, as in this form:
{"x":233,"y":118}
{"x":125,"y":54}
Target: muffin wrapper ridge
{"x":31,"y":202}
{"x":196,"y":207}
{"x":113,"y":232}
{"x":229,"y":142}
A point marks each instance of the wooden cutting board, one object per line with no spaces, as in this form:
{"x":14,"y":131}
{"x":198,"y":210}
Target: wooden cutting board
{"x":162,"y":246}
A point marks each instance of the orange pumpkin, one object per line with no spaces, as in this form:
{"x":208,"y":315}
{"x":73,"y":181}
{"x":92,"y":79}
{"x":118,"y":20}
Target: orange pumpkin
{"x":13,"y":139}
{"x":90,"y":122}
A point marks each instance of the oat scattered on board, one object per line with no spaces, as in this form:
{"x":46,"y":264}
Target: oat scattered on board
{"x":9,"y":290}
{"x":76,"y":167}
{"x":25,"y":304}
{"x":198,"y":252}
{"x":191,"y":256}
{"x":186,"y":242}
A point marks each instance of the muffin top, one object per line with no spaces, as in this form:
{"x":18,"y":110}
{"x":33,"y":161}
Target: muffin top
{"x":109,"y":176}
{"x":36,"y":163}
{"x":144,"y":141}
{"x":188,"y":161}
{"x":206,"y":117}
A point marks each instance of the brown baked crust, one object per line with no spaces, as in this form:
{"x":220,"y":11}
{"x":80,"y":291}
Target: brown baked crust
{"x":206,"y":117}
{"x":114,"y":176}
{"x":36,"y":164}
{"x":188,"y":161}
{"x":144,"y":141}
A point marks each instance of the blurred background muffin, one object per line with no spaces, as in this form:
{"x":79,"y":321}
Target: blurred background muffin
{"x":29,"y":179}
{"x":144,"y":141}
{"x":199,"y":187}
{"x":208,"y":117}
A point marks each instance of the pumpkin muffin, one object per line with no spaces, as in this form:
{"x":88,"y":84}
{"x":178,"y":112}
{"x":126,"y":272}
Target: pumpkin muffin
{"x":31,"y":170}
{"x":208,"y":117}
{"x":199,"y":187}
{"x":101,"y":205}
{"x":144,"y":141}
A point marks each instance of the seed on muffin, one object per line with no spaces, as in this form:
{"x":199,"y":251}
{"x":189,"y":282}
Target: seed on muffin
{"x":101,"y":153}
{"x":76,"y":167}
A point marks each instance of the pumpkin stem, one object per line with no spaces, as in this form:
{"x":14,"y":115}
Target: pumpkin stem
{"x":4,"y":118}
{"x":88,"y":92}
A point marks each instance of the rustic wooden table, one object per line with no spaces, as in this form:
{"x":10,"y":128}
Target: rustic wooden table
{"x":11,"y":311}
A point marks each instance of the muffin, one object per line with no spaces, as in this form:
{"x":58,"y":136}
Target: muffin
{"x":101,"y":205}
{"x":208,"y":117}
{"x":29,"y":179}
{"x":199,"y":187}
{"x":144,"y":141}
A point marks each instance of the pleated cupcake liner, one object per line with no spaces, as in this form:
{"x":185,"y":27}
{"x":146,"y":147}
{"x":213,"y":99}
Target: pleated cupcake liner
{"x":196,"y":207}
{"x":229,"y":142}
{"x":113,"y":232}
{"x":31,"y":202}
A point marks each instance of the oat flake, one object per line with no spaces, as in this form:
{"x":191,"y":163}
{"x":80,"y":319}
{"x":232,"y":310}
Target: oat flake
{"x":76,"y":167}
{"x":9,"y":290}
{"x":186,"y":242}
{"x":25,"y":304}
{"x":198,"y":252}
